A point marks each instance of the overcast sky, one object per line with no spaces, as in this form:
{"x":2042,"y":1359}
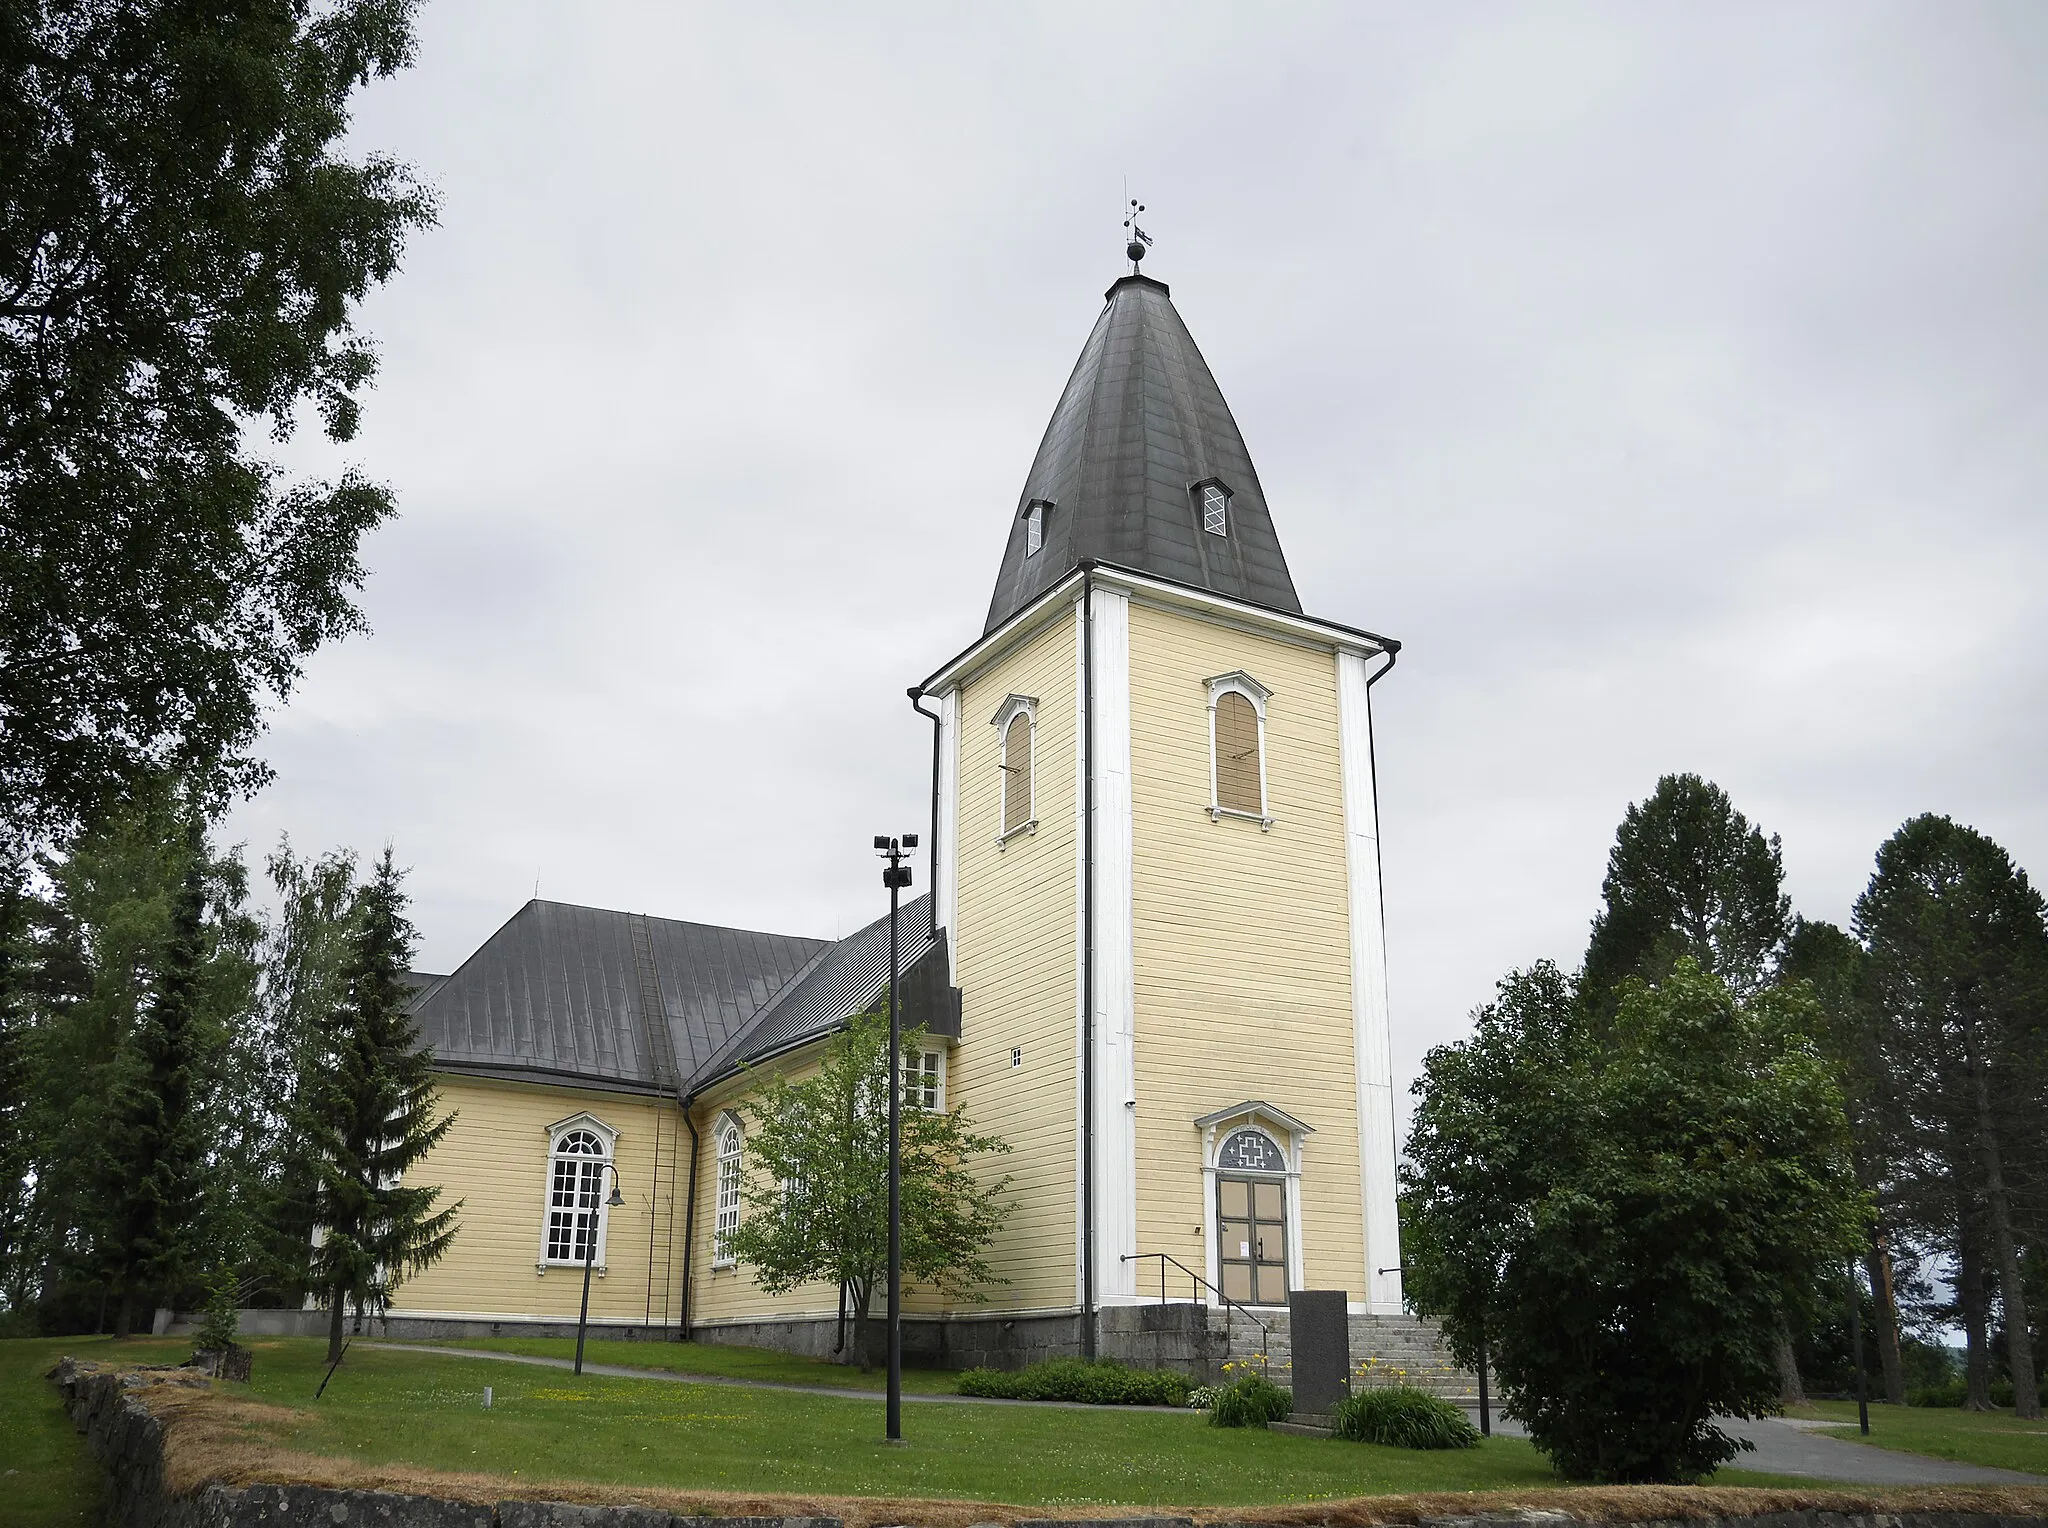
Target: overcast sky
{"x":1672,"y":381}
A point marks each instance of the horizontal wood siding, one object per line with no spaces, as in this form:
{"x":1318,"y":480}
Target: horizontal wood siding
{"x":1014,"y":959}
{"x":495,"y":1161}
{"x":1241,"y":940}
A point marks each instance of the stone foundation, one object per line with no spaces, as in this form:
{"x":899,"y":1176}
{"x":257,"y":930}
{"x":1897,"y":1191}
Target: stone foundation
{"x":1179,"y":1335}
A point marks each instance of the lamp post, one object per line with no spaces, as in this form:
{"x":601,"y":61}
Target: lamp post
{"x":590,"y":1249}
{"x":895,"y":876}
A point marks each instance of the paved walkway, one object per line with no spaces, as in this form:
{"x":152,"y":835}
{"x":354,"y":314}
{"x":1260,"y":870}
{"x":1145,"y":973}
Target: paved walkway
{"x":1791,"y":1446}
{"x":1781,"y":1448}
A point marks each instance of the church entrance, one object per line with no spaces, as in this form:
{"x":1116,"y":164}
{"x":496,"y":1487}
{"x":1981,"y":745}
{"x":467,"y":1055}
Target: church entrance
{"x":1251,"y":1225}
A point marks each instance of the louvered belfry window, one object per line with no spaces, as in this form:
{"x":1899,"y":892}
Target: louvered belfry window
{"x":1237,"y":756}
{"x":1017,"y":772}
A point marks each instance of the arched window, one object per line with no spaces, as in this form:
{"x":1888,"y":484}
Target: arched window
{"x":731,"y":1144}
{"x":1237,"y":742}
{"x":1016,"y":727}
{"x":578,"y":1150}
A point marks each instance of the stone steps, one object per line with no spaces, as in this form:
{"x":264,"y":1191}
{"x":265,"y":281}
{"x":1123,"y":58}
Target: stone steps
{"x":1385,"y":1350}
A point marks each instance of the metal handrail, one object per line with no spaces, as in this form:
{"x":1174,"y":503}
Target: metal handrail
{"x":1196,"y":1283}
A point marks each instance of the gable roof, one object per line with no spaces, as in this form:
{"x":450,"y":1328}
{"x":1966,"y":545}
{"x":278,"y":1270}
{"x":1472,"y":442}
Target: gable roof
{"x":564,"y":993}
{"x":1141,"y":425}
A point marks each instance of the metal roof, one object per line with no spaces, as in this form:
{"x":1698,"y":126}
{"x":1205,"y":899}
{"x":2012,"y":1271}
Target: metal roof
{"x":1141,"y":424}
{"x":846,"y":979}
{"x":591,"y":995}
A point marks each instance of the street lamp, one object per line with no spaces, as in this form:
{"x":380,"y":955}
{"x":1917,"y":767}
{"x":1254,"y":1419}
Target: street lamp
{"x":895,"y":876}
{"x":590,"y":1250}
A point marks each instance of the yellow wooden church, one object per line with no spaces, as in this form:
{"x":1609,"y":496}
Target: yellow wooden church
{"x":1151,"y":958}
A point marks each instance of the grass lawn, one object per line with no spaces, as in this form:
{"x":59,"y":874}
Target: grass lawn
{"x":393,"y":1410}
{"x":714,"y":1359}
{"x":1975,"y":1437}
{"x":46,"y":1476}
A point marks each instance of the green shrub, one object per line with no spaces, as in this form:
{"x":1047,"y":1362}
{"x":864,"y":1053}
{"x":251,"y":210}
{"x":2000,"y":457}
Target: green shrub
{"x":1402,"y":1417}
{"x":1103,"y":1382}
{"x":1957,"y":1393}
{"x":1251,"y":1401}
{"x":1202,"y":1397}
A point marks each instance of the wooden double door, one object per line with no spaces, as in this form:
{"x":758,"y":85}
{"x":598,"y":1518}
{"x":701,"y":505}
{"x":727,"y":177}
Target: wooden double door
{"x":1251,"y":1234}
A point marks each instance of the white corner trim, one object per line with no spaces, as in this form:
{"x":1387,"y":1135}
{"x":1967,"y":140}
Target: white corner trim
{"x":1372,"y":1040}
{"x":1080,"y":965}
{"x":946,"y":874}
{"x":1116,"y":1210}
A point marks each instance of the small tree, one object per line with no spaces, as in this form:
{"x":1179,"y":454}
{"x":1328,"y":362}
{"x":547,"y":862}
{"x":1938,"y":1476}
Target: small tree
{"x":817,"y":1191}
{"x":1627,"y":1214}
{"x":369,"y":1113}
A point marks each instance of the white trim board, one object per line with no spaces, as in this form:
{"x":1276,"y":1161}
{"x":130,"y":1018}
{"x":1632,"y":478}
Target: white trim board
{"x":1116,"y":1147}
{"x":1372,"y":1041}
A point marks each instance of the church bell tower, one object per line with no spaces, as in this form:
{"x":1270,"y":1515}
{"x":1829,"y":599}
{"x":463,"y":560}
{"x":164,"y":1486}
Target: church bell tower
{"x":1159,"y":866}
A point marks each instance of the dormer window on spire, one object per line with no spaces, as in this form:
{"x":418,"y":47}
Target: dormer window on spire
{"x":1034,"y":526}
{"x":1215,"y":509}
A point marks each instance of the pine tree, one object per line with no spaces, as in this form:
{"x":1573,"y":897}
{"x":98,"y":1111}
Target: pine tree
{"x":1958,"y":943}
{"x":157,"y":1155}
{"x":369,"y":1115}
{"x":1835,"y":967}
{"x":1688,"y":876}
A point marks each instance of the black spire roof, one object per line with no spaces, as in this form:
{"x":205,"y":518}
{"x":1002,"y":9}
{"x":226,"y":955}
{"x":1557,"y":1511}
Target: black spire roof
{"x":1141,"y":426}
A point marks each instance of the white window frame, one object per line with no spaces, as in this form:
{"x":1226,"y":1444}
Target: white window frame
{"x":1210,"y":492}
{"x":1239,"y":682}
{"x":1034,"y":526}
{"x":608,"y":1138}
{"x":725,"y":1212}
{"x":1027,"y":706}
{"x":917,"y":1066}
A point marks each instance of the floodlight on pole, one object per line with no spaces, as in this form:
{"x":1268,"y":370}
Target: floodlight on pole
{"x":895,"y":876}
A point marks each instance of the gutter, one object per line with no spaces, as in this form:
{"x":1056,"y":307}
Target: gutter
{"x":1372,"y":769}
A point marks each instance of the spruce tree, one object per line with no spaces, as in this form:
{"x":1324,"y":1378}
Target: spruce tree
{"x":370,"y":1116}
{"x":1688,"y":876}
{"x":156,"y":1152}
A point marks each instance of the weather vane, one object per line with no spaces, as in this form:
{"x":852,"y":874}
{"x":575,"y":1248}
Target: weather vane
{"x":1140,"y":241}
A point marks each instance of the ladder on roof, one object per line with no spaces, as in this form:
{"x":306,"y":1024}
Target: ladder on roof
{"x":661,"y":1056}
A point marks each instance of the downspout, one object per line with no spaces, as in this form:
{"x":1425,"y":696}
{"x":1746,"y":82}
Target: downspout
{"x":689,"y":1216}
{"x":932,"y":840}
{"x":1088,"y":960}
{"x":1372,"y":765}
